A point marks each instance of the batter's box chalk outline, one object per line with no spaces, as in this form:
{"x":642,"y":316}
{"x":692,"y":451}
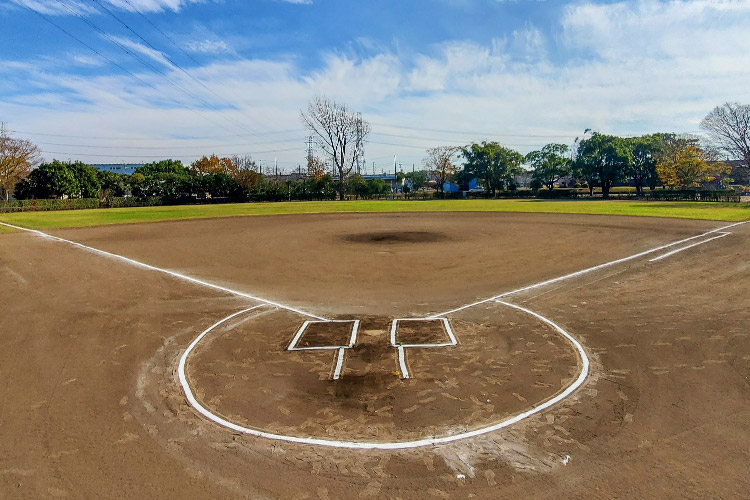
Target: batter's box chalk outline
{"x":401,"y":348}
{"x":341,"y":348}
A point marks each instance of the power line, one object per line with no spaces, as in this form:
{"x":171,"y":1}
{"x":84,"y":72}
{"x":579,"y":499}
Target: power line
{"x":50,"y":21}
{"x":168,"y":38}
{"x":69,"y":153}
{"x":464,"y":132}
{"x":146,"y":64}
{"x":192,"y":138}
{"x":166,"y":56}
{"x":164,"y":147}
{"x":413,"y":146}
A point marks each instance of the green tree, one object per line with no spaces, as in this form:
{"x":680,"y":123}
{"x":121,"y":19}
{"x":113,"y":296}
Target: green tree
{"x":378,"y":186}
{"x":644,"y":151}
{"x":163,"y":167}
{"x":50,"y":180}
{"x":549,"y":164}
{"x":215,"y":185}
{"x":137,"y":185}
{"x":494,"y":164}
{"x":166,"y":179}
{"x":86,"y":179}
{"x":603,"y":160}
{"x":112,"y":183}
{"x":357,"y":185}
{"x":416,"y":180}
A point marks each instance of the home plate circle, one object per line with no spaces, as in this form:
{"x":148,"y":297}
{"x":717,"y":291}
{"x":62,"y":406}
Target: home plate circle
{"x":379,"y":382}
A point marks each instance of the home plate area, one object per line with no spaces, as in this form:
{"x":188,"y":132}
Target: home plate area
{"x":376,"y":378}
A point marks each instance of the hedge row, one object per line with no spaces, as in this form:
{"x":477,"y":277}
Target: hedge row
{"x":74,"y":204}
{"x":729,"y":196}
{"x":84,"y":203}
{"x":44,"y":205}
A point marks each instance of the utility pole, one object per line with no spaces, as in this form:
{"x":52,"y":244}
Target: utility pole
{"x":309,"y":150}
{"x":360,"y":147}
{"x":395,"y":174}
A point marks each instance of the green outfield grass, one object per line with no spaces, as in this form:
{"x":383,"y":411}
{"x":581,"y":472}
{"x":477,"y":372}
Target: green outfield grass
{"x":79,"y":218}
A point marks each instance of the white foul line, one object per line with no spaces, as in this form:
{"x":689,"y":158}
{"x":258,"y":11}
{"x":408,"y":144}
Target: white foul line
{"x":379,"y":445}
{"x":166,"y":271}
{"x":669,"y":254}
{"x":583,"y":271}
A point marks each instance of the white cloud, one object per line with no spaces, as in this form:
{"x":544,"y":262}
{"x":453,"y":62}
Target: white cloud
{"x":70,"y":7}
{"x":651,"y":28}
{"x":85,"y":60}
{"x":209,"y":47}
{"x":143,"y":50}
{"x":54,"y":8}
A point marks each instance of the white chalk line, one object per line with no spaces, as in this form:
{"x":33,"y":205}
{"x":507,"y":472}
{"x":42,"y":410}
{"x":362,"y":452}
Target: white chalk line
{"x":341,"y":348}
{"x":401,"y":348}
{"x":381,"y":445}
{"x":339,"y":363}
{"x":174,"y":274}
{"x":669,"y":254}
{"x":583,"y":271}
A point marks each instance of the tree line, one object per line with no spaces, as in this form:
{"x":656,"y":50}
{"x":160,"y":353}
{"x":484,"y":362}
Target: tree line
{"x":595,"y":160}
{"x":169,"y":181}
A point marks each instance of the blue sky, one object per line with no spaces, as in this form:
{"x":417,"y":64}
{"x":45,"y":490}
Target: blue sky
{"x":148,"y":79}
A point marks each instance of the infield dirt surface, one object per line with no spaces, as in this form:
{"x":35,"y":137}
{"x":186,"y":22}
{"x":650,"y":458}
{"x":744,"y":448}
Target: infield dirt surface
{"x":89,"y":345}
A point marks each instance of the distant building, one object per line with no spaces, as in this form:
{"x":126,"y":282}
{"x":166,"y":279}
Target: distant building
{"x":450,"y":187}
{"x":389,"y":179}
{"x":118,"y":168}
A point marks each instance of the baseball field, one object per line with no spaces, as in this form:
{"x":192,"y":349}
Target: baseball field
{"x":377,"y":350}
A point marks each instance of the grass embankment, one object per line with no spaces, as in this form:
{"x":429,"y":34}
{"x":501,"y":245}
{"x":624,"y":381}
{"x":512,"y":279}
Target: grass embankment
{"x":79,"y":218}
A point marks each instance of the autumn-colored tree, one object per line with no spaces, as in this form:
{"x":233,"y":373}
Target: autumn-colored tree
{"x":244,"y":171}
{"x":316,"y":168}
{"x":687,"y":167}
{"x":439,"y":164}
{"x":212,"y":165}
{"x":17,"y":158}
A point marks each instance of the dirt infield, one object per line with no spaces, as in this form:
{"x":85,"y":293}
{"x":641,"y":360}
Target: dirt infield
{"x":92,"y":405}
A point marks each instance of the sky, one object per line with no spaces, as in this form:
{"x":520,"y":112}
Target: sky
{"x":131,"y":81}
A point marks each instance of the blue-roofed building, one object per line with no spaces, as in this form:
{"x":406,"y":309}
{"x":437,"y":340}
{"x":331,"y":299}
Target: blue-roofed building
{"x":118,"y":168}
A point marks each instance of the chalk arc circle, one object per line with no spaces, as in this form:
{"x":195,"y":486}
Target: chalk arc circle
{"x":379,"y":445}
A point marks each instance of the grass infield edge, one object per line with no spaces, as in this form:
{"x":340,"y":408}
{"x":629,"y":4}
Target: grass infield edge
{"x":732,"y":212}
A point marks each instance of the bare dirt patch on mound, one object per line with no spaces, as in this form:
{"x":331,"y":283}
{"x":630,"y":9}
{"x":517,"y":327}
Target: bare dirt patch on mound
{"x":396,"y":237}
